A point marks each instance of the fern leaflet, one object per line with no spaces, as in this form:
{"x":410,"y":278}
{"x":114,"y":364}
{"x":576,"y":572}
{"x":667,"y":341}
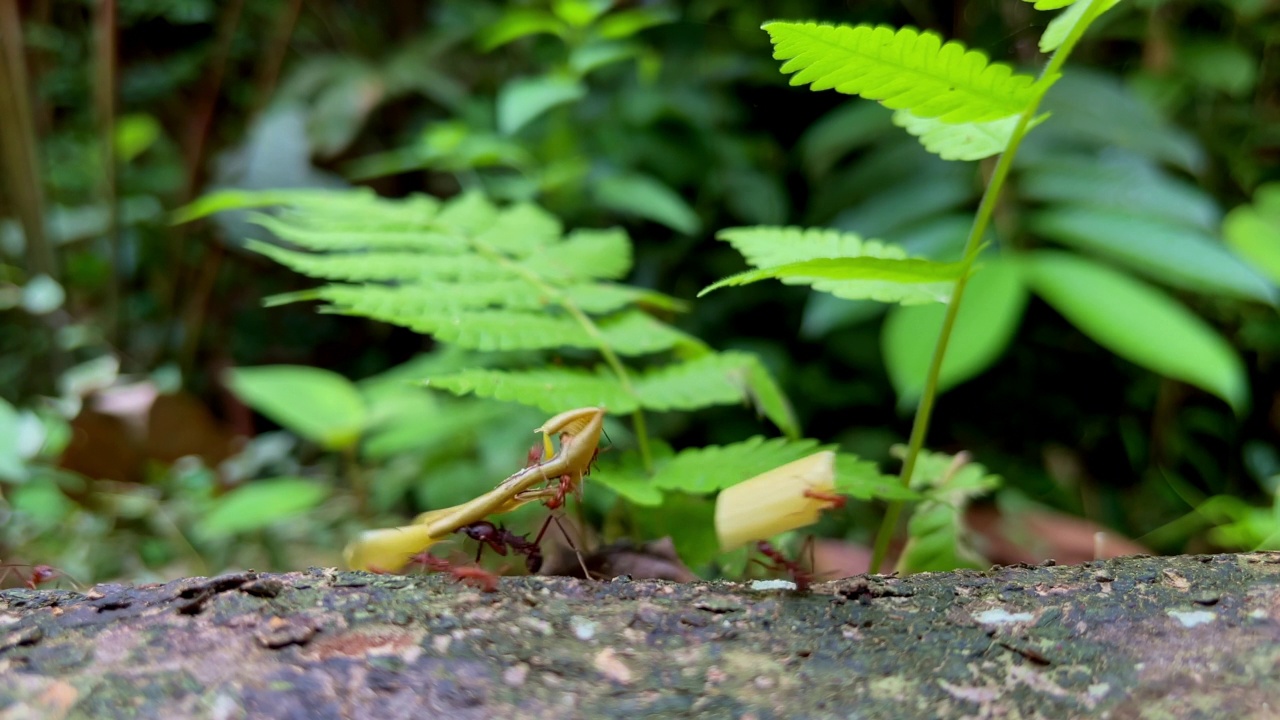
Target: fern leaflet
{"x":708,"y":469}
{"x":961,"y":141}
{"x":842,"y":264}
{"x":903,"y":69}
{"x":936,"y":529}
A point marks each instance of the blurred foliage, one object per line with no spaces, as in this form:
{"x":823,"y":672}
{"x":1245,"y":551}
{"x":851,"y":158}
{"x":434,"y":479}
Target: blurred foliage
{"x":673,"y":120}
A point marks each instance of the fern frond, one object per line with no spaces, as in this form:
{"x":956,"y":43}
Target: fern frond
{"x":492,"y":278}
{"x":903,"y":69}
{"x":961,"y":141}
{"x":842,"y":264}
{"x":715,"y":467}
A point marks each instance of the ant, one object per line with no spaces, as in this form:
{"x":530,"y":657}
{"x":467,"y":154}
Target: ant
{"x":834,"y":501}
{"x":39,"y":575}
{"x":554,"y":501}
{"x":476,"y":577}
{"x":500,"y":538}
{"x":782,"y":564}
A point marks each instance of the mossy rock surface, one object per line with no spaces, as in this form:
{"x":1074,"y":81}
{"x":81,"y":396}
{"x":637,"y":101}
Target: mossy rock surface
{"x":1183,"y":637}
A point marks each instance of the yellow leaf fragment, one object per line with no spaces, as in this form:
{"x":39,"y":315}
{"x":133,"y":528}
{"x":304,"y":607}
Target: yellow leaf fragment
{"x":387,"y":549}
{"x":774,"y":502}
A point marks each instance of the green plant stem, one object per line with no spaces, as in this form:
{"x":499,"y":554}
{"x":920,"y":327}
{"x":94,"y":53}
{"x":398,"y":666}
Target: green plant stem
{"x":610,"y":357}
{"x":973,"y":245}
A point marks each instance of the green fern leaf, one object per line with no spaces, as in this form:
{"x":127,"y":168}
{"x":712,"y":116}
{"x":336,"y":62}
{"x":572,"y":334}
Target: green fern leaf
{"x":863,"y":480}
{"x":712,"y":468}
{"x":828,"y":259}
{"x":327,"y":203}
{"x":765,"y":393}
{"x":470,"y":213}
{"x":385,"y":266}
{"x":552,"y":390}
{"x":707,"y":380}
{"x":903,"y":69}
{"x":585,"y":254}
{"x":961,"y":141}
{"x":602,"y":298}
{"x":937,"y":535}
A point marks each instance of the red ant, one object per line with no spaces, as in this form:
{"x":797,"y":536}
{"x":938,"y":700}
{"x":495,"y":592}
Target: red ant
{"x":39,"y":575}
{"x":835,"y":502}
{"x":500,"y":538}
{"x":476,"y":577}
{"x":782,"y":564}
{"x":553,"y":502}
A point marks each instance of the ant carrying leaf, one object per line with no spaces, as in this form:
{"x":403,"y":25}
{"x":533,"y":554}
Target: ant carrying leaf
{"x":558,"y":474}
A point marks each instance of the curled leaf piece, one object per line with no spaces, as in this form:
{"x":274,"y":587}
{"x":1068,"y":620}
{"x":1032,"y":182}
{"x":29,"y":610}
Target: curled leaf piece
{"x":784,"y":498}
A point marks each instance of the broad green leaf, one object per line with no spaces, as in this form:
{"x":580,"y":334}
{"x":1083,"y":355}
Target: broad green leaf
{"x":903,"y":69}
{"x":586,"y":58}
{"x":1118,"y":181}
{"x":1096,"y":109}
{"x":1175,"y":254}
{"x":1253,"y":231}
{"x":875,"y":271}
{"x":624,"y":24}
{"x":580,"y":13}
{"x":42,"y":501}
{"x":516,"y":23}
{"x":989,"y":314}
{"x":317,"y":404}
{"x":1220,"y":65}
{"x":135,"y":133}
{"x":962,"y":141}
{"x":259,"y":504}
{"x":649,"y":198}
{"x":522,"y":100}
{"x":1138,"y":323}
{"x":1050,"y":4}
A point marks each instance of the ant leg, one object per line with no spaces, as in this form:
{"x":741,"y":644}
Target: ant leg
{"x":586,"y":574}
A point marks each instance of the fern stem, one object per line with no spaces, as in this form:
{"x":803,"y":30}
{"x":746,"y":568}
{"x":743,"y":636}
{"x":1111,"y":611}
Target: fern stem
{"x":610,"y":357}
{"x":924,"y":411}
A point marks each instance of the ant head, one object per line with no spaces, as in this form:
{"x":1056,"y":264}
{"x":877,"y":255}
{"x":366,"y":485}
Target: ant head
{"x":481,"y":530}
